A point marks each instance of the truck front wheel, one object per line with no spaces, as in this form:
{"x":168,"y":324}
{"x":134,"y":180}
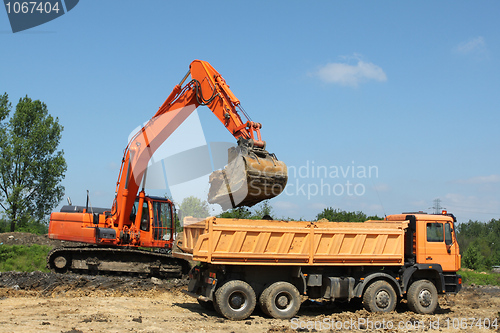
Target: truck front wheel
{"x":281,"y":300}
{"x":235,"y":300}
{"x":422,"y":297}
{"x":380,"y":297}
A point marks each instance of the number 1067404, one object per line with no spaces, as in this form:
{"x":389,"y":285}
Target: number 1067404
{"x":25,"y":7}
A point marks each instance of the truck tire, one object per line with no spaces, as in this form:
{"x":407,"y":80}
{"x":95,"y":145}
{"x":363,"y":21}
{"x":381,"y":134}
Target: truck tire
{"x":380,"y":297}
{"x":422,"y":297}
{"x":235,"y":300}
{"x":216,"y":306}
{"x":261,"y":303}
{"x":281,"y":300}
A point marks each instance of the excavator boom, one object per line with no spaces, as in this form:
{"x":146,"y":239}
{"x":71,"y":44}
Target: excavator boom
{"x":252,"y":174}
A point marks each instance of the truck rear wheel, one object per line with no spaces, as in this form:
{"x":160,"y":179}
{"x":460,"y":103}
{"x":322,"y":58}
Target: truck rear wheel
{"x":235,"y":300}
{"x":422,"y":297}
{"x":380,"y":297}
{"x":281,"y":300}
{"x":261,"y":303}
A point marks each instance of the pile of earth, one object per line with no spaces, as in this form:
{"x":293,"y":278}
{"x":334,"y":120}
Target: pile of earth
{"x":25,"y":238}
{"x":47,"y":284}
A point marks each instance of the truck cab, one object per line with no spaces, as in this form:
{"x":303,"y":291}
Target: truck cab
{"x":430,"y":239}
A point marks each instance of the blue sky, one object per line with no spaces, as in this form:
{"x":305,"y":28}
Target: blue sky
{"x":408,"y":90}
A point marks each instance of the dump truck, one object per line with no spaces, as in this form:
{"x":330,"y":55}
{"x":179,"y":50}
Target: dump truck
{"x":275,"y":264}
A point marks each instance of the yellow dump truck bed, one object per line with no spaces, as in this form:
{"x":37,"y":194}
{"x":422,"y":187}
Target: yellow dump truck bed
{"x":263,"y":242}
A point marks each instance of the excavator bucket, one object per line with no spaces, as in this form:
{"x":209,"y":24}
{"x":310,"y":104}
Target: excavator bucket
{"x":251,"y":176}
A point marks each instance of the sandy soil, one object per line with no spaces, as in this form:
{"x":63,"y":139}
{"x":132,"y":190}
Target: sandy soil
{"x":50,"y":302}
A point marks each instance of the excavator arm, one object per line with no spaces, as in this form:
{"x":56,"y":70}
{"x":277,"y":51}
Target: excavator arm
{"x":252,"y":174}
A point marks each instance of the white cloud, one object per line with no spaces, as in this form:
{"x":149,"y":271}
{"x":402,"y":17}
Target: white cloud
{"x":375,"y":209}
{"x":472,"y":207}
{"x":285,"y":205}
{"x":491,"y":179}
{"x":419,"y":203}
{"x":381,"y":187}
{"x":351,"y":75}
{"x":287,"y":209}
{"x":475,"y":45}
{"x":113,"y":166}
{"x":317,"y":206}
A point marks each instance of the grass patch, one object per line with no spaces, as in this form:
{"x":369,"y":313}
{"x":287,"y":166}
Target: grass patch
{"x":480,"y":278}
{"x":23,"y":258}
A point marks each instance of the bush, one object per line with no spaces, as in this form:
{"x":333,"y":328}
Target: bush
{"x":31,"y":226}
{"x":23,"y":258}
{"x":472,"y":258}
{"x":480,"y":278}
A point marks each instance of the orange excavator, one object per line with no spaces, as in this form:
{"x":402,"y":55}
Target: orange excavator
{"x":118,"y":236}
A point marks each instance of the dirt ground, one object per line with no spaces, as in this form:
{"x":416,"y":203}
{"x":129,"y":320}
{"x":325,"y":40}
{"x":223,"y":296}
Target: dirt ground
{"x":24,"y":238}
{"x":50,"y":302}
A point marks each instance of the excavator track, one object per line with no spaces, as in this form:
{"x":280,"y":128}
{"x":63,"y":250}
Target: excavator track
{"x":109,"y":261}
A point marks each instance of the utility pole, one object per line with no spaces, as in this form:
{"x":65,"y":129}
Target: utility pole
{"x":437,"y":206}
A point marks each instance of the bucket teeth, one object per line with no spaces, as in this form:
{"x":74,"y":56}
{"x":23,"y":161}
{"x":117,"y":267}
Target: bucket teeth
{"x":248,"y":179}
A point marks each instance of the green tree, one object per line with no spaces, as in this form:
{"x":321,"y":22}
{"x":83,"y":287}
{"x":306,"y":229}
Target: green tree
{"x":263,"y":209}
{"x":472,"y":258}
{"x":237,"y":213}
{"x":192,"y":206}
{"x":484,"y":238}
{"x":31,"y":167}
{"x":337,"y":215}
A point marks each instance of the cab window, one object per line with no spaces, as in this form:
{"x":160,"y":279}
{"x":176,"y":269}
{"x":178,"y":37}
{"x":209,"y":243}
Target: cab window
{"x":145,"y":217}
{"x":133,"y":213}
{"x":447,"y":234}
{"x":162,"y":220}
{"x":435,"y":232}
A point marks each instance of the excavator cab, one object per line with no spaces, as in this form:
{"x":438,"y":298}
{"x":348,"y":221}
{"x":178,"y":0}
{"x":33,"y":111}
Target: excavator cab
{"x":251,"y":176}
{"x":155,"y":220}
